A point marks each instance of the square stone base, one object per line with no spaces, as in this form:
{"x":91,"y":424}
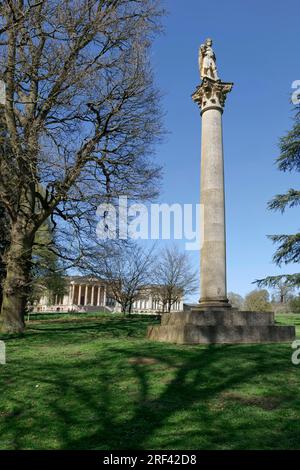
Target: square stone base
{"x":228,"y":326}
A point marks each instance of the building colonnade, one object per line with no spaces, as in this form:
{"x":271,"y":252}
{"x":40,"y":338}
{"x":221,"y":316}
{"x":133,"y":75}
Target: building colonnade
{"x":83,"y":294}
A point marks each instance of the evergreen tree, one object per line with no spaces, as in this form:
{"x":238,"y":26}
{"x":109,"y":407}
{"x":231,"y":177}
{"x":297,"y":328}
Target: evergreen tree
{"x":288,"y":246}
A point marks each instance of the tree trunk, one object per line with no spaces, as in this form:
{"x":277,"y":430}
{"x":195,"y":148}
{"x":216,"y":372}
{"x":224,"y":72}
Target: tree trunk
{"x":16,"y":284}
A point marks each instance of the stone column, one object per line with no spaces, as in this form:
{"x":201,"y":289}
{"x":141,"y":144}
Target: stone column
{"x":92,"y":295}
{"x":79,"y":294}
{"x":86,"y":294}
{"x":71,"y":290}
{"x":210,"y":96}
{"x":104,"y":295}
{"x":98,"y":296}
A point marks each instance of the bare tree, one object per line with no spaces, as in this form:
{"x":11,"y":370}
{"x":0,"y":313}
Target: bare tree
{"x":81,"y":117}
{"x":258,"y":300}
{"x":4,"y":244}
{"x":236,"y":300}
{"x":283,"y":285}
{"x":283,"y":292}
{"x":174,"y":277}
{"x":128,"y":271}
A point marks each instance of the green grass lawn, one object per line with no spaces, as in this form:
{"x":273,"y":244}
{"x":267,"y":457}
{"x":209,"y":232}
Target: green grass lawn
{"x":97,"y":383}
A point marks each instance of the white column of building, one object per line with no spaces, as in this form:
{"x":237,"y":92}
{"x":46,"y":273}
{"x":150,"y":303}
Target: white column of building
{"x":70,"y":294}
{"x":104,"y":295}
{"x":79,"y":293}
{"x":86,"y":294}
{"x":92,"y":295}
{"x":150,"y":302}
{"x":98,"y":296}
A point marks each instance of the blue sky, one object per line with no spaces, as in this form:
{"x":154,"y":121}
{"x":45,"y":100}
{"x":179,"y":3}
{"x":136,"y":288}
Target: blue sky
{"x":257,"y":48}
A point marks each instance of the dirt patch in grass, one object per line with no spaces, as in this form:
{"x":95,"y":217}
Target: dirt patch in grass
{"x":267,"y":403}
{"x":74,"y":354}
{"x":143,"y":360}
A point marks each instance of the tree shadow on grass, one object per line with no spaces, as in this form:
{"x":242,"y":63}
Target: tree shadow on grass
{"x":200,"y":378}
{"x":174,"y":399}
{"x":65,"y":330}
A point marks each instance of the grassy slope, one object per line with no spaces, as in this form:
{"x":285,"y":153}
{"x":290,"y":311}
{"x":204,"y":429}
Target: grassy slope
{"x":96,"y":383}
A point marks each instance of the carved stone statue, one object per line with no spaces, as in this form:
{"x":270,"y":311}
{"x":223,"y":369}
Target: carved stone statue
{"x":207,"y":61}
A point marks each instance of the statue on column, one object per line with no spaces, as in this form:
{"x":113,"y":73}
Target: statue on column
{"x":207,"y":61}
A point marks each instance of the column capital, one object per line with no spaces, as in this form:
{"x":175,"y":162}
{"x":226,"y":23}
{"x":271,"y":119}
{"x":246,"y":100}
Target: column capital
{"x":211,"y":94}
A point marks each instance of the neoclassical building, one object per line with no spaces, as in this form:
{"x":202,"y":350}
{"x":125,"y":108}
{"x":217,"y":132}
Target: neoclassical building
{"x":82,"y":294}
{"x":87,"y":294}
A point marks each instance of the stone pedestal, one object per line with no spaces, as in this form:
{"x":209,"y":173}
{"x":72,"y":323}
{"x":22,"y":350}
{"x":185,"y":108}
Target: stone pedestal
{"x":227,"y":326}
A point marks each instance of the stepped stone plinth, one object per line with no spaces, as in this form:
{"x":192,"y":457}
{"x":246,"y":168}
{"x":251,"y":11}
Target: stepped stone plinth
{"x":220,"y":326}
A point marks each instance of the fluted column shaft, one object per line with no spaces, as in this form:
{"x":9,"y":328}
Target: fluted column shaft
{"x":210,"y":96}
{"x":213,"y":247}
